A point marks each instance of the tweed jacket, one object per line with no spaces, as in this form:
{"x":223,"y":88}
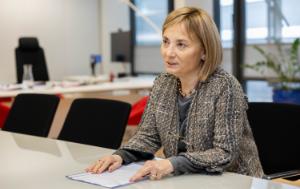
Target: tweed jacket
{"x":218,"y":136}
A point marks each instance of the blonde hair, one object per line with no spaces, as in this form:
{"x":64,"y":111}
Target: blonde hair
{"x":200,"y":25}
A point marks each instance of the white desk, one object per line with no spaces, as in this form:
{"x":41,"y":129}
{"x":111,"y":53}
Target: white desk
{"x":120,"y":84}
{"x":33,"y":162}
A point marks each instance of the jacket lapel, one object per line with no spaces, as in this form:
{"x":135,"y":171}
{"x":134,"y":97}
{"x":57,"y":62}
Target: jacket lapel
{"x":170,"y":113}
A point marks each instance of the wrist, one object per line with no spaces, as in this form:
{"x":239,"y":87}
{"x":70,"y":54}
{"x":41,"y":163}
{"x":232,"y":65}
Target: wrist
{"x":169,"y":167}
{"x":118,"y":158}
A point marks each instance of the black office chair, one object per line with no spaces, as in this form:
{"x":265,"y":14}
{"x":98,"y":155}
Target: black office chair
{"x":32,"y":114}
{"x":96,"y":122}
{"x":276,"y":130}
{"x":29,"y":52}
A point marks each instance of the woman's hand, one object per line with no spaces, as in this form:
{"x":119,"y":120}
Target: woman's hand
{"x":110,"y":163}
{"x":155,"y":169}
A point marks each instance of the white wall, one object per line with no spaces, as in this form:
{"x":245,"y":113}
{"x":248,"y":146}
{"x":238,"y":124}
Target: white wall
{"x":114,"y":16}
{"x":68,"y":30}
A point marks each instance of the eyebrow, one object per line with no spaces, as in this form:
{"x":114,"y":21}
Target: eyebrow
{"x":182,"y":40}
{"x":178,"y":40}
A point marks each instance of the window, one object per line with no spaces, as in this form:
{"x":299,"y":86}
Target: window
{"x":258,"y":91}
{"x":266,"y":21}
{"x":147,"y":39}
{"x":156,"y":11}
{"x":256,"y":21}
{"x":226,"y":22}
{"x":290,"y":10}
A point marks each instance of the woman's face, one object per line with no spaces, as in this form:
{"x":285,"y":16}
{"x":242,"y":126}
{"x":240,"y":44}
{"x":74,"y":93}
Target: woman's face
{"x":181,"y":54}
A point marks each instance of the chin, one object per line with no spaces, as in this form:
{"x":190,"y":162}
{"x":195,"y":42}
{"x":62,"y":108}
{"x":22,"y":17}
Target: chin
{"x":171,"y":71}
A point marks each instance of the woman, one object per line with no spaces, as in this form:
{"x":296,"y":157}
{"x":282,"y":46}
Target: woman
{"x":196,"y":111}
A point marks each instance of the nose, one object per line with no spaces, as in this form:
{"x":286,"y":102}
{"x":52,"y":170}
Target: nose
{"x":170,"y":51}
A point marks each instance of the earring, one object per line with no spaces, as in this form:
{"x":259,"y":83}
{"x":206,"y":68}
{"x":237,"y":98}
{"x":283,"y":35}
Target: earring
{"x":203,"y":57}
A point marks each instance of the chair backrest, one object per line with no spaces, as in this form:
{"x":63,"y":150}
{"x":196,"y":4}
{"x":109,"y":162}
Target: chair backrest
{"x":32,"y":114}
{"x":29,"y":52}
{"x":98,"y":122}
{"x":276,"y":129}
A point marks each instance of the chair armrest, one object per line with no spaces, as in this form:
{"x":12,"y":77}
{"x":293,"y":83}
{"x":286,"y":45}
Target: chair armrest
{"x":282,"y":175}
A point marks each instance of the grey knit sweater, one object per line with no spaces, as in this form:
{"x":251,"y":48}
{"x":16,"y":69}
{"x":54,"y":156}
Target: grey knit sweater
{"x":218,"y":136}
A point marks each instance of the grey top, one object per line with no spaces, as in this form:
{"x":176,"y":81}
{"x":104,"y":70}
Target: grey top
{"x":218,"y":136}
{"x":180,"y":163}
{"x":183,"y":107}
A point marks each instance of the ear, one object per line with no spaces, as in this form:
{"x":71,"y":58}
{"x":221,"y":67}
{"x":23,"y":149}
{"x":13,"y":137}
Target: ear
{"x":203,"y":57}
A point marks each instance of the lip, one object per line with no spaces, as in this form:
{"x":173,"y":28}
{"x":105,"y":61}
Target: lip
{"x":171,"y":63}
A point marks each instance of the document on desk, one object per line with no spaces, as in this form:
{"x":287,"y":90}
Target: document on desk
{"x":114,"y":179}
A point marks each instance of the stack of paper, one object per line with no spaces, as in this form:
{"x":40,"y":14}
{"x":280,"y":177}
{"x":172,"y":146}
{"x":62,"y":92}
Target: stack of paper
{"x":114,"y":179}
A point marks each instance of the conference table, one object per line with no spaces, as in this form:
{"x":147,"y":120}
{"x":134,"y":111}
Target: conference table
{"x":71,"y":87}
{"x":36,"y":162}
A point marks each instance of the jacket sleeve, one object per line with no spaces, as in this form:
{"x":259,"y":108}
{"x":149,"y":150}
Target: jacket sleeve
{"x":230,"y":110}
{"x":146,"y":138}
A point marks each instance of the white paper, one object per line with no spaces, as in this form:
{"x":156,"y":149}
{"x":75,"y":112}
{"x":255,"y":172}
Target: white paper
{"x":114,"y":179}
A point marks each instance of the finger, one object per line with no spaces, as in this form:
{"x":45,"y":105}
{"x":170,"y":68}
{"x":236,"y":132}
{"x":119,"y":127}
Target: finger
{"x":158,"y":176}
{"x":96,"y":167}
{"x":114,"y":166}
{"x":104,"y":166}
{"x":142,"y":173}
{"x":153,"y":175}
{"x":90,"y":169}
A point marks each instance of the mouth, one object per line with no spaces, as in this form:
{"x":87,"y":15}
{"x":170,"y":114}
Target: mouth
{"x":171,"y":63}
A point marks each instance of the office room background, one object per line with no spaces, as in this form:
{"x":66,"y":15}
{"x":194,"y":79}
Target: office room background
{"x":71,"y":30}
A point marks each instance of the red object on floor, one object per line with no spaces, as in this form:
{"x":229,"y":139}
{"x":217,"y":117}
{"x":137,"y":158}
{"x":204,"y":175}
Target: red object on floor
{"x":4,"y":110}
{"x":5,"y":99}
{"x":61,"y":96}
{"x":137,"y":111}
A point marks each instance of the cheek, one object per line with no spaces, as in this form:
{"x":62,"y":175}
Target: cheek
{"x":192,"y":60}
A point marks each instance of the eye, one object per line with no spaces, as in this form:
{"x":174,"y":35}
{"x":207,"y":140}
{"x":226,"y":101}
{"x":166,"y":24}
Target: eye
{"x":181,"y":45}
{"x":165,"y":42}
